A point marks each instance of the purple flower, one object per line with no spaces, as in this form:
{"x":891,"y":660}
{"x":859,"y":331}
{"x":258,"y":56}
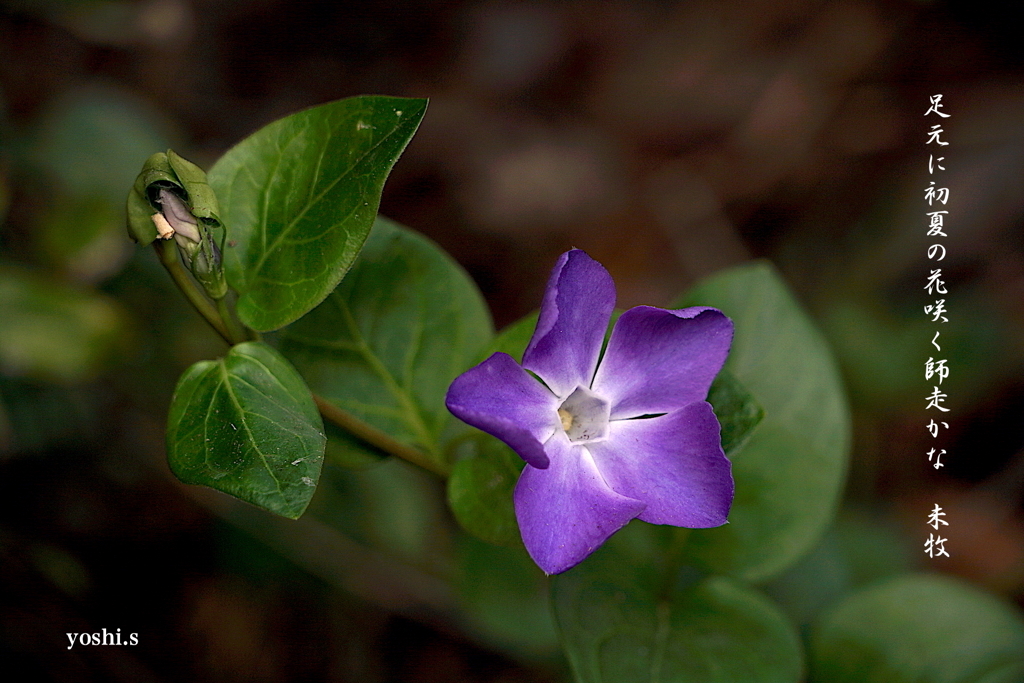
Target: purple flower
{"x":605,"y":439}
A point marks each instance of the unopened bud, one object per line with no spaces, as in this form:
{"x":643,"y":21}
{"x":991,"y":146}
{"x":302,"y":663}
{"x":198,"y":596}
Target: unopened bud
{"x":163,"y":229}
{"x":171,"y":198}
{"x":178,"y":216}
{"x":177,"y":189}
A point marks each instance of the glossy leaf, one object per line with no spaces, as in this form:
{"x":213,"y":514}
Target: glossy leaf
{"x":919,"y":629}
{"x":247,"y":425}
{"x":623,"y":623}
{"x":298,"y":198}
{"x":389,"y":340}
{"x":790,"y":472}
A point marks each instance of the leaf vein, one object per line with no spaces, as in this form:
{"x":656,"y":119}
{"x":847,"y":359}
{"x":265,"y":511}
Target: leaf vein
{"x":295,"y":220}
{"x":226,"y":380}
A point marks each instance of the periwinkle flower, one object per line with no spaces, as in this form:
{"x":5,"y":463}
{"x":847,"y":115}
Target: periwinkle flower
{"x":610,"y":438}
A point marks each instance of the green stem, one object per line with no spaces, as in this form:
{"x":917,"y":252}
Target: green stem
{"x":238,"y":333}
{"x":222,"y":320}
{"x":168,"y":252}
{"x":376,"y":438}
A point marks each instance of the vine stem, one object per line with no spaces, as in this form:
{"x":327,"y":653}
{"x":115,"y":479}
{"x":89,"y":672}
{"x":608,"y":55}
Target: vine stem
{"x":167,"y":250}
{"x":220,"y":318}
{"x":376,"y":438}
{"x":238,"y":333}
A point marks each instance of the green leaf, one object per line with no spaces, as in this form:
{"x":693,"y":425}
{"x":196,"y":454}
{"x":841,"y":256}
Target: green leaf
{"x":919,"y":629}
{"x":54,"y":332}
{"x":391,"y":507}
{"x":736,"y":409}
{"x":246,"y":425}
{"x":486,"y":470}
{"x":480,"y":490}
{"x":856,"y":551}
{"x":298,"y":198}
{"x":790,"y":472}
{"x":389,"y":340}
{"x":620,"y":623}
{"x":504,"y":600}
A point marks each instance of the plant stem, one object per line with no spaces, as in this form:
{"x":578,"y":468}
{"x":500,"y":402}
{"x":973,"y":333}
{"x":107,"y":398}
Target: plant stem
{"x":222,"y":320}
{"x":238,"y":333}
{"x":376,"y":438}
{"x":168,"y":253}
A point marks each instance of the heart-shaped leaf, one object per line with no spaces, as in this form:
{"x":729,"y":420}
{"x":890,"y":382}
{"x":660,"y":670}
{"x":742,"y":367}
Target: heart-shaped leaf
{"x":298,"y":198}
{"x":246,"y":425}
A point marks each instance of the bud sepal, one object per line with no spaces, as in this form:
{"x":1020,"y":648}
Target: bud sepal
{"x":172,"y":198}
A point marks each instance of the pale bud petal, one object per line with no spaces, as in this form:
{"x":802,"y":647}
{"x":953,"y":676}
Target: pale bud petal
{"x":163,"y":229}
{"x":178,"y":216}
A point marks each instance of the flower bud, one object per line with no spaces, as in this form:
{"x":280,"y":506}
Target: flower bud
{"x":177,"y":215}
{"x":166,"y":177}
{"x":171,"y":198}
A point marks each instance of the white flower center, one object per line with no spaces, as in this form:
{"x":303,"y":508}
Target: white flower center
{"x":584,"y":416}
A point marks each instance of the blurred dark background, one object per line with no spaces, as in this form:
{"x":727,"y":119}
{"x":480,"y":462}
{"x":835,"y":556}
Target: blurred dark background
{"x":668,"y":139}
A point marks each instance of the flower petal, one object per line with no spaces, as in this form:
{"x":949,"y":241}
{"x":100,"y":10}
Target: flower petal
{"x":567,"y":510}
{"x":502,"y":399}
{"x":674,"y":463}
{"x":574,"y":315}
{"x":659,"y":360}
